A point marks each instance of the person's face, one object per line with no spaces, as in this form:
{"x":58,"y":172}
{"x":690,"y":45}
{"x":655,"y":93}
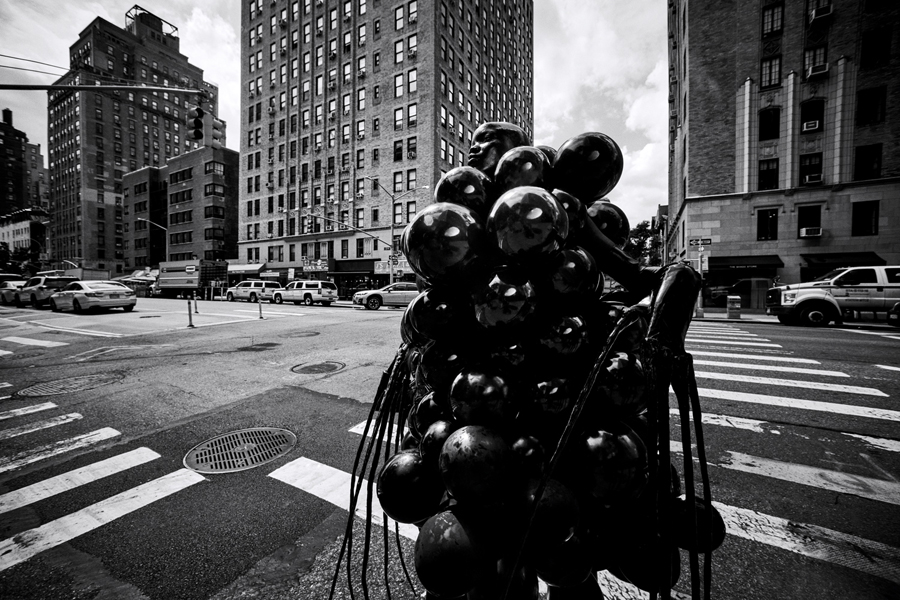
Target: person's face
{"x":489,"y":143}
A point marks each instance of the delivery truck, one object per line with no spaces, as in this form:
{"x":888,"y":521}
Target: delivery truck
{"x":189,"y":277}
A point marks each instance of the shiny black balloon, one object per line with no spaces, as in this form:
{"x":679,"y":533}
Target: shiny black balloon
{"x":434,"y":438}
{"x":443,"y":243}
{"x":616,"y":463}
{"x":477,"y":467}
{"x":622,"y":385}
{"x":525,"y":165}
{"x":553,"y":397}
{"x":549,"y":152}
{"x":563,"y":335}
{"x":575,"y":211}
{"x":440,"y":314}
{"x":531,"y":459}
{"x":588,"y":165}
{"x":427,"y":412}
{"x":506,"y":300}
{"x":574,"y":271}
{"x":710,"y":531}
{"x":483,"y":395}
{"x":610,"y":220}
{"x":451,"y":557}
{"x":564,"y":565}
{"x":407,"y":489}
{"x":441,"y":363}
{"x":556,"y":517}
{"x":528,"y":224}
{"x":466,"y":186}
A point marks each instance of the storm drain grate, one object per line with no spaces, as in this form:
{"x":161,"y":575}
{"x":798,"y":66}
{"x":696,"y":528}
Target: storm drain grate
{"x":66,"y":386}
{"x":240,"y":450}
{"x":328,"y":366}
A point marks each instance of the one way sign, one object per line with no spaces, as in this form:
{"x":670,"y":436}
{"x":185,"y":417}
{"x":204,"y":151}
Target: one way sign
{"x":700,"y":242}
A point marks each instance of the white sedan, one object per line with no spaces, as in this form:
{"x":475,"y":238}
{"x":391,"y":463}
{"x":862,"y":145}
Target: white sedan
{"x":8,"y":291}
{"x":85,"y":295}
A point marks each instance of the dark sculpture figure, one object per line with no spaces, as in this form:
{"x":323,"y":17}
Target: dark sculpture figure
{"x":491,"y":141}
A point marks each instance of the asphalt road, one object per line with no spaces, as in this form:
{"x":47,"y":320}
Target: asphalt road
{"x":800,"y":426}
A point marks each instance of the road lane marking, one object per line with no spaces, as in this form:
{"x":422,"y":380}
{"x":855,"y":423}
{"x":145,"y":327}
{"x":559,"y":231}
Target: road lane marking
{"x":26,"y":410}
{"x":272,"y":312}
{"x":873,"y":558}
{"x":29,"y":543}
{"x":75,"y":478}
{"x":812,"y":385}
{"x":879,"y":443}
{"x":829,"y":407}
{"x":32,"y":342}
{"x":888,"y":367}
{"x":5,"y":384}
{"x":724,"y":332}
{"x":77,"y":330}
{"x":730,"y":343}
{"x":333,"y":485}
{"x":4,"y":352}
{"x":798,"y":370}
{"x":96,"y":352}
{"x":806,"y":361}
{"x":876,"y":333}
{"x":10,"y":463}
{"x":5,"y":434}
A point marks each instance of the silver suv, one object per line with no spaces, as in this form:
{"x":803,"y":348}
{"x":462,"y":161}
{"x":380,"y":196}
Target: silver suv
{"x":252,"y":290}
{"x":37,"y":290}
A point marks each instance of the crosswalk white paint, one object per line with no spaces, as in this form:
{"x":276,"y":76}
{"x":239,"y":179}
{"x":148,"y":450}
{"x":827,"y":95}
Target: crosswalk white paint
{"x":785,"y":359}
{"x":5,"y":384}
{"x":783,"y":402}
{"x":78,"y":331}
{"x":816,"y":385}
{"x":888,"y":367}
{"x":6,"y":434}
{"x":26,"y":410}
{"x":797,"y":370}
{"x":29,"y":543}
{"x":74,"y":478}
{"x":17,"y":461}
{"x":691,"y":340}
{"x":876,"y":333}
{"x":5,"y":352}
{"x":722,"y":332}
{"x":33,"y":342}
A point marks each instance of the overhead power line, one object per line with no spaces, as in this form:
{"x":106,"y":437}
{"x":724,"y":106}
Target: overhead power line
{"x":34,"y":61}
{"x":29,"y":70}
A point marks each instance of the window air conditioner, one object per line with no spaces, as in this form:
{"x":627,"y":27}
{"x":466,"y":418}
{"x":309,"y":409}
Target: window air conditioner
{"x":252,"y":95}
{"x":271,"y":84}
{"x":329,"y":227}
{"x":410,"y":154}
{"x":269,"y":236}
{"x":810,"y":232}
{"x":360,"y":195}
{"x":346,"y":111}
{"x":411,"y":52}
{"x":413,"y":18}
{"x":271,"y":110}
{"x":361,"y":136}
{"x":817,"y":178}
{"x":283,"y":51}
{"x":817,"y":71}
{"x":330,"y":172}
{"x":318,"y":147}
{"x":331,"y":116}
{"x":318,"y":31}
{"x":347,"y":17}
{"x":270,"y":186}
{"x":361,"y":73}
{"x":271,"y":161}
{"x":331,"y":199}
{"x":332,"y":54}
{"x":811,"y":126}
{"x":819,"y":13}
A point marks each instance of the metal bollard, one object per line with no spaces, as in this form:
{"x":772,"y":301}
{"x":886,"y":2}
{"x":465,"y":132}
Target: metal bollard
{"x":190,"y":317}
{"x":195,"y":304}
{"x":259,"y":301}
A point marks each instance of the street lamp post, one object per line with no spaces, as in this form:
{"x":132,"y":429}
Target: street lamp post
{"x":393,"y":255}
{"x":166,"y":257}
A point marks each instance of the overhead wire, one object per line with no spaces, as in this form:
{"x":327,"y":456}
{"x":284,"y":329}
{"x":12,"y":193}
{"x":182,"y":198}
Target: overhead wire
{"x":33,"y":61}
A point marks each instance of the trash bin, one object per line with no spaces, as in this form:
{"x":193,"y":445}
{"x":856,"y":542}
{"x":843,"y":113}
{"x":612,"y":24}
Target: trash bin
{"x":733,"y":307}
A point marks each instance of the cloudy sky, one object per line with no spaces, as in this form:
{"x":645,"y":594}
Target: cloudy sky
{"x":600,"y":65}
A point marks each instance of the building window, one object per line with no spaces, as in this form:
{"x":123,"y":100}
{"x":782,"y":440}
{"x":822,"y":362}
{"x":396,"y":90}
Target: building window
{"x":411,"y":179}
{"x":410,"y":211}
{"x":867,"y":163}
{"x":398,"y":85}
{"x":398,"y":182}
{"x":875,"y":49}
{"x":870,"y":105}
{"x":768,"y":174}
{"x":398,"y":214}
{"x":808,"y":216}
{"x":769,"y":124}
{"x":813,"y":57}
{"x":811,"y":169}
{"x":767,"y":224}
{"x":812,"y":115}
{"x":398,"y":150}
{"x":770,"y":72}
{"x":772,"y":18}
{"x":360,"y":248}
{"x":865,"y":218}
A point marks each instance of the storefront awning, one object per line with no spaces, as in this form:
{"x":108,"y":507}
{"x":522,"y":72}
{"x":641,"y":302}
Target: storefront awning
{"x":252,"y":268}
{"x":771,"y":261}
{"x":844,"y":259}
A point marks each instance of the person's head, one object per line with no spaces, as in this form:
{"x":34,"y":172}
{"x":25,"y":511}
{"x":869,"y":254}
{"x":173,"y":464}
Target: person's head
{"x":491,"y":141}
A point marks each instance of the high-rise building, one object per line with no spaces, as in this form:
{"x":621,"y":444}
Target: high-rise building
{"x":96,"y":137}
{"x":349,"y":108}
{"x":14,"y":191}
{"x":37,"y":190}
{"x":783,"y":136}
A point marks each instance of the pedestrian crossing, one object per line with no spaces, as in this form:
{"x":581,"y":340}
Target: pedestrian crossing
{"x":11,"y":344}
{"x":749,"y":373}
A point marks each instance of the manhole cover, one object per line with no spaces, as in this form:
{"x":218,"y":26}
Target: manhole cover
{"x":66,"y":386}
{"x":328,"y":366}
{"x":240,"y":450}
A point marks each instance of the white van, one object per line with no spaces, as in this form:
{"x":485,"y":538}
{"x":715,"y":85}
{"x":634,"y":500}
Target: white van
{"x":826,"y":298}
{"x":308,"y":292}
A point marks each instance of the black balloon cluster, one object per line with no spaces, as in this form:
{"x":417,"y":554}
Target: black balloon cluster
{"x":511,"y":321}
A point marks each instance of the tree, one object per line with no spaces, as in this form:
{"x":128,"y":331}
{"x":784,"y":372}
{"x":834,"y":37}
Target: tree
{"x":643,"y":244}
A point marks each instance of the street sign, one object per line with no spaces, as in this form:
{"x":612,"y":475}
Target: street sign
{"x":700,"y":241}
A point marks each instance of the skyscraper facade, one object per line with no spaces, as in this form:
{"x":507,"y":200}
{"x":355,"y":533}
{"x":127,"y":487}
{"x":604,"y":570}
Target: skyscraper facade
{"x":95,"y":138}
{"x":351,"y":108}
{"x":784,"y":130}
{"x":14,"y":192}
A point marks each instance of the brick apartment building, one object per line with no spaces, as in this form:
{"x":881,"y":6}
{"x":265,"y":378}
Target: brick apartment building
{"x":182,"y":211}
{"x":350,"y":107}
{"x":784,"y":147}
{"x":95,"y":138}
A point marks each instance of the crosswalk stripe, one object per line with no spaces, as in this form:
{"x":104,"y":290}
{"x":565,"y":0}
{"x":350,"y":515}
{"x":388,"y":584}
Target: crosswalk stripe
{"x":723,"y":332}
{"x":75,"y":478}
{"x":813,"y":541}
{"x":33,"y":342}
{"x":333,"y":485}
{"x":5,"y":434}
{"x":29,"y":543}
{"x":888,"y":367}
{"x":4,"y":352}
{"x":815,"y":385}
{"x":798,"y":370}
{"x":5,"y":384}
{"x":787,"y":359}
{"x":26,"y":410}
{"x":784,"y":402}
{"x":877,"y":333}
{"x":731,"y":343}
{"x":757,"y":426}
{"x":10,"y":463}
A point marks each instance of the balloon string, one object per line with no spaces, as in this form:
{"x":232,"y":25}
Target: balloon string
{"x":704,"y":472}
{"x":680,"y":385}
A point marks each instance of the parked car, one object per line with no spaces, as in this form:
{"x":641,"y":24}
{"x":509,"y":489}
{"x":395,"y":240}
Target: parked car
{"x":894,"y":315}
{"x":38,"y":290}
{"x":308,"y":292}
{"x":824,"y":299}
{"x":396,"y":294}
{"x":8,"y":290}
{"x":86,"y":295}
{"x":252,"y":290}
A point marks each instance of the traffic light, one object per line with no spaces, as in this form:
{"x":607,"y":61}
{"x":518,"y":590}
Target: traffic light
{"x":214,"y":132}
{"x":195,"y":123}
